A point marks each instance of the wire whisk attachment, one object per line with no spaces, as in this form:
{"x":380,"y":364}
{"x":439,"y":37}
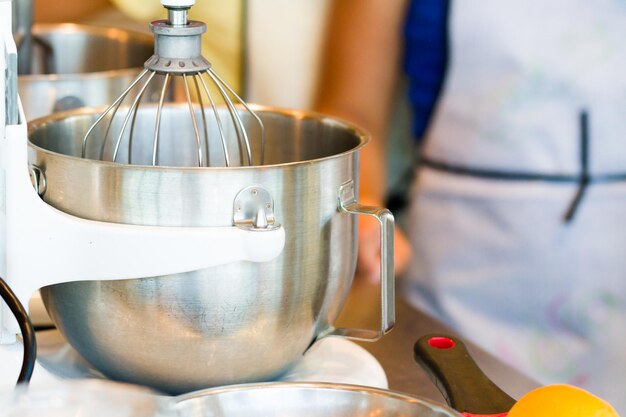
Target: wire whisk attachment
{"x":228,"y":134}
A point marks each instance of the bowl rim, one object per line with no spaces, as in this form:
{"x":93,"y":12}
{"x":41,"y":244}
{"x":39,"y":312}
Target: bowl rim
{"x":362,"y":136}
{"x":111,"y":33}
{"x":327,"y":386}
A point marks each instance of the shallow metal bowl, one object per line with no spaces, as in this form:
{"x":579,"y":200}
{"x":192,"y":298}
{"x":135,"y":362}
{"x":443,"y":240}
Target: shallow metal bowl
{"x":307,"y":400}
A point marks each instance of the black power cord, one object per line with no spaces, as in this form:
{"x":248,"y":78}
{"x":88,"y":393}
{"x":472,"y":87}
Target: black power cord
{"x":28,"y":331}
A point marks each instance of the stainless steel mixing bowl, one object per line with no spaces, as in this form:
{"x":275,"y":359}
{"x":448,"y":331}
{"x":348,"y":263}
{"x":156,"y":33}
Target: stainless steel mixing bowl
{"x":307,"y":400}
{"x":239,"y":322}
{"x":77,"y":65}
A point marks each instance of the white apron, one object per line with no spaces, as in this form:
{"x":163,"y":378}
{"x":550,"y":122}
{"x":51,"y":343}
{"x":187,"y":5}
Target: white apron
{"x":494,"y":258}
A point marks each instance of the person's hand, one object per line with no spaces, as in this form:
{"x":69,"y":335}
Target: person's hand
{"x":368,"y":259}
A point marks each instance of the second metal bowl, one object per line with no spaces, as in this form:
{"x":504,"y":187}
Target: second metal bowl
{"x":76,"y":66}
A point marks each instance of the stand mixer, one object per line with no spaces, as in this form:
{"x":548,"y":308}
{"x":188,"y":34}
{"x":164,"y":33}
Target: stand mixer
{"x":236,"y":269}
{"x":30,"y":227}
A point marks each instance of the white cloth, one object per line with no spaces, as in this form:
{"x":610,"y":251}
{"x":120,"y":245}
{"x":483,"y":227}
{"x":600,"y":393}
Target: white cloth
{"x":494,"y":258}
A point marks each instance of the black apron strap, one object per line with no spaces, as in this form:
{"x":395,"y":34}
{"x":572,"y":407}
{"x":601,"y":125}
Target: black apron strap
{"x":583,"y":179}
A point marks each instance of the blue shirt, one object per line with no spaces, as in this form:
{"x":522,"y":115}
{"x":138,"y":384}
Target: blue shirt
{"x":425,"y":57}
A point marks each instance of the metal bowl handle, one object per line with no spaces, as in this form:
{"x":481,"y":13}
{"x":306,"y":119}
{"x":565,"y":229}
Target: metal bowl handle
{"x":348,"y":204}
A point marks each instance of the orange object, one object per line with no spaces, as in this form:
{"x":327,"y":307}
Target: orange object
{"x":561,"y":400}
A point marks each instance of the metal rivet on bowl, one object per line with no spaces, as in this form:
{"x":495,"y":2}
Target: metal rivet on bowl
{"x":254,"y":191}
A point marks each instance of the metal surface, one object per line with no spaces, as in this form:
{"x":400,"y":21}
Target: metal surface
{"x":73,"y":66}
{"x":239,"y":322}
{"x":307,"y":400}
{"x":395,"y":350}
{"x":178,"y":16}
{"x":178,"y":54}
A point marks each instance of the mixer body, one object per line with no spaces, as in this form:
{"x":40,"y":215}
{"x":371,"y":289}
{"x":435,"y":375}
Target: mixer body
{"x":233,"y":323}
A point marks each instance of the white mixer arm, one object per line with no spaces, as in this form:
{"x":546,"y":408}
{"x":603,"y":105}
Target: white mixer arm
{"x":178,"y":3}
{"x":7,"y":49}
{"x":45,"y":246}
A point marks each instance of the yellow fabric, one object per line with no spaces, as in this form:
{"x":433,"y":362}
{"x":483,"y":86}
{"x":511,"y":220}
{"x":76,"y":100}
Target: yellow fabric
{"x":222,"y":43}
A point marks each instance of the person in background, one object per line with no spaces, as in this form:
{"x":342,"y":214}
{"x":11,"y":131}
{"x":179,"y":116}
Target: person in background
{"x":516,"y":219}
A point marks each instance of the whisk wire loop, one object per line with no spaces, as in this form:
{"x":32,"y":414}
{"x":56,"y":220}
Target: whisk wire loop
{"x":193,"y":121}
{"x":240,"y":130}
{"x":218,"y":120}
{"x":132,"y":112}
{"x":252,"y":113}
{"x":157,"y":128}
{"x":115,"y":104}
{"x":204,"y":123}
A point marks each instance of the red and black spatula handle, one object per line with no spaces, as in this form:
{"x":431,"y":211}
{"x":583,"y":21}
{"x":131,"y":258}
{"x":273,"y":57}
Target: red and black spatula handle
{"x":465,"y":387}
